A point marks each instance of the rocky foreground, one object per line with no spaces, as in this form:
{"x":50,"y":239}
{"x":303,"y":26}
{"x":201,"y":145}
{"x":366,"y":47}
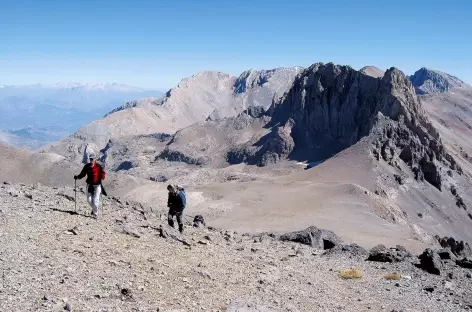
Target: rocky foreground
{"x":54,"y":258}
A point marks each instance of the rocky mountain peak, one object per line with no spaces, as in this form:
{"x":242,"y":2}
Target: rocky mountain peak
{"x":398,"y":97}
{"x":250,"y":79}
{"x":428,"y":81}
{"x":201,"y":77}
{"x":331,"y":107}
{"x":372,"y":71}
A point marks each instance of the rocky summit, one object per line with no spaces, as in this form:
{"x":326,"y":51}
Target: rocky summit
{"x":55,"y":257}
{"x":427,"y":81}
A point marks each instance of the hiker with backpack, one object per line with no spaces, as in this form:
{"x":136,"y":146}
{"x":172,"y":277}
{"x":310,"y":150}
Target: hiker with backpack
{"x":176,"y":203}
{"x":95,"y":174}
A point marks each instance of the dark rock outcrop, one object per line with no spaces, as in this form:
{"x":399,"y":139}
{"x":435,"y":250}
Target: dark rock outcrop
{"x":125,"y":165}
{"x":161,"y":137}
{"x":458,"y":248}
{"x":330,"y":107}
{"x":173,"y":155}
{"x":269,"y":149}
{"x":380,"y":253}
{"x":430,"y":262}
{"x":314,"y":237}
{"x":159,"y":178}
{"x":255,"y":111}
{"x":352,"y":249}
{"x":465,"y":263}
{"x":446,"y":254}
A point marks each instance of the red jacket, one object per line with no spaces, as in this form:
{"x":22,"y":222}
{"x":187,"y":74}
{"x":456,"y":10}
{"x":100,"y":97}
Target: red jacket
{"x":95,"y":174}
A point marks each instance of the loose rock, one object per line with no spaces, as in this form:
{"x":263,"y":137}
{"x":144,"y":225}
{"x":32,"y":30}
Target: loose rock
{"x":380,"y":253}
{"x":430,"y":261}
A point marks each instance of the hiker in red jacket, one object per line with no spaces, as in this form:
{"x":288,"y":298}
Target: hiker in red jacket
{"x":95,"y":174}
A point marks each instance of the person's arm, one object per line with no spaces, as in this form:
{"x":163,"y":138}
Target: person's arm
{"x":82,"y":173}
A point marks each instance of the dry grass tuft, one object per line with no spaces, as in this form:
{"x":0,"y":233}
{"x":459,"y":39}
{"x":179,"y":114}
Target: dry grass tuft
{"x":392,"y":276}
{"x":350,"y":274}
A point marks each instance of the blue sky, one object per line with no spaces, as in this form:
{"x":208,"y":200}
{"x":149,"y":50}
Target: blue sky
{"x":157,"y":43}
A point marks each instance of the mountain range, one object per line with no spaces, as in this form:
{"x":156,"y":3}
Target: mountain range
{"x":34,"y":115}
{"x":296,"y":173}
{"x":283,"y":148}
{"x":275,"y":150}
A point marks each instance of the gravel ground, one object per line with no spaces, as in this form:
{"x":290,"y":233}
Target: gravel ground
{"x":53,"y":259}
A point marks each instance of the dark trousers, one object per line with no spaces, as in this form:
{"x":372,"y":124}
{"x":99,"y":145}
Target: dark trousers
{"x":178,"y":216}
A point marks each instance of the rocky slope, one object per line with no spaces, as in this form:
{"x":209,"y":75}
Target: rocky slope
{"x":56,"y":258}
{"x":24,"y":166}
{"x":206,"y":95}
{"x":451,"y":114}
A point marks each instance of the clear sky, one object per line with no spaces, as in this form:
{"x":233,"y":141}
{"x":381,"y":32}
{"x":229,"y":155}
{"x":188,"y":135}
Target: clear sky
{"x":157,"y":43}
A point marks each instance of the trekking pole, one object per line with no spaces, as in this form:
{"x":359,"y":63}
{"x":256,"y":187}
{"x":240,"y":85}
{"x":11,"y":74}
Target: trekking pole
{"x":187,"y":219}
{"x":75,"y":194}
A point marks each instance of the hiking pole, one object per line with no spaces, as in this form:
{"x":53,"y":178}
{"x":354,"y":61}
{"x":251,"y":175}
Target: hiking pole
{"x":188,"y":219}
{"x":75,"y":194}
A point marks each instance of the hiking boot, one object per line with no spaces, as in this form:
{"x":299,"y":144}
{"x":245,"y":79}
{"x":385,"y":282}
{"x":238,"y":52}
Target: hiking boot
{"x":181,"y":228}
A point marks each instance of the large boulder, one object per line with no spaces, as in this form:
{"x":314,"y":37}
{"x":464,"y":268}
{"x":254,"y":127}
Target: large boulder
{"x":313,"y":236}
{"x":430,"y":261}
{"x":166,"y":231}
{"x":351,"y":249}
{"x":380,"y":253}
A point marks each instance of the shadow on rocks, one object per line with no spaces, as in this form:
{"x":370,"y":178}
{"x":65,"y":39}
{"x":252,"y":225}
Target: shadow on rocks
{"x":72,"y":213}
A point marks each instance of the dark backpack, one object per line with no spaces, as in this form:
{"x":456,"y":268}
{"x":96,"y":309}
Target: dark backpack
{"x":182,"y":197}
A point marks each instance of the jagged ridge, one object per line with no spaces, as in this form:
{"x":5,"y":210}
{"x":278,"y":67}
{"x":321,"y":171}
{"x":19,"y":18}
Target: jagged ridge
{"x":331,"y":107}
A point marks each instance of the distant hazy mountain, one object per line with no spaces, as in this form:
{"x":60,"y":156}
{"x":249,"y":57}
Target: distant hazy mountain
{"x":429,"y":81}
{"x":42,"y":114}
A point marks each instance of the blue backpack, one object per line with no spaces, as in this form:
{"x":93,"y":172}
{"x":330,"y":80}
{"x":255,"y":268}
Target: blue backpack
{"x":182,"y":197}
